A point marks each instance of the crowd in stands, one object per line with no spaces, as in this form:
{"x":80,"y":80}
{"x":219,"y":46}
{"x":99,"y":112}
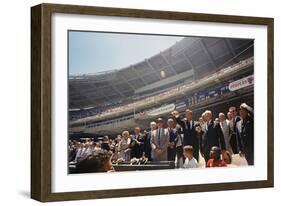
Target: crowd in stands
{"x":181,"y":140}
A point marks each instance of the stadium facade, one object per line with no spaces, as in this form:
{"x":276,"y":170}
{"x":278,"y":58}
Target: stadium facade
{"x":195,"y":73}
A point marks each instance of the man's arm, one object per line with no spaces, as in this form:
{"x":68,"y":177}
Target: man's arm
{"x":178,"y":119}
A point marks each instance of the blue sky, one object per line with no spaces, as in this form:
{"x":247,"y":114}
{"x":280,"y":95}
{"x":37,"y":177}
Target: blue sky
{"x":92,"y":52}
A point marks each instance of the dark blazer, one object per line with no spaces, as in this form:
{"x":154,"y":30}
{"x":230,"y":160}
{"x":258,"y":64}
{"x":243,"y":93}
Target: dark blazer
{"x":190,"y":135}
{"x":172,"y":138}
{"x":136,"y":149}
{"x":147,"y":145}
{"x":179,"y":133}
{"x":245,"y":130}
{"x":213,"y":137}
{"x":233,"y":137}
{"x":173,"y":134}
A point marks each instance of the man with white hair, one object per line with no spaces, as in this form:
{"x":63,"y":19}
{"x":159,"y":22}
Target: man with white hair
{"x":213,"y":136}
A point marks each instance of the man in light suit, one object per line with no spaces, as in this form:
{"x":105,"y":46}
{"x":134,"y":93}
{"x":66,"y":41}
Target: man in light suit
{"x":225,"y":126}
{"x":172,"y":137}
{"x":160,"y":142}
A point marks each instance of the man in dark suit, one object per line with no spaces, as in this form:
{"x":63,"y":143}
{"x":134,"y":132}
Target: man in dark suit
{"x":213,"y":136}
{"x":233,"y":129}
{"x":147,"y":141}
{"x":245,"y":128}
{"x":189,"y":129}
{"x":137,"y":144}
{"x":179,"y":146}
{"x":173,"y":135}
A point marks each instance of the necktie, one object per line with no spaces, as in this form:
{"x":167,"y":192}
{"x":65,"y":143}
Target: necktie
{"x":234,"y":125}
{"x":159,"y":131}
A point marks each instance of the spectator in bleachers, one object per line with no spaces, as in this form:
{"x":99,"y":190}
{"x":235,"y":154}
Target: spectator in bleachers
{"x":72,"y":152}
{"x":105,"y":143}
{"x":80,"y":152}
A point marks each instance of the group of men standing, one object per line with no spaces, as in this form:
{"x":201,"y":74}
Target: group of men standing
{"x":234,"y":134}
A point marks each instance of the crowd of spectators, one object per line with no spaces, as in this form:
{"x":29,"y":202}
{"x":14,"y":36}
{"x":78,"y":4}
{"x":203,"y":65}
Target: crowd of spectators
{"x":182,"y":140}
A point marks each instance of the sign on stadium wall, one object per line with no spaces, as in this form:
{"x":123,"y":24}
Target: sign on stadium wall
{"x":161,"y":110}
{"x":180,"y":105}
{"x":241,"y":83}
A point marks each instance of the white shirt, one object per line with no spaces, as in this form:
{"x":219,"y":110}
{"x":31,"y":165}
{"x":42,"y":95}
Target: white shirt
{"x":226,"y":132}
{"x":179,"y":142}
{"x":190,"y":163}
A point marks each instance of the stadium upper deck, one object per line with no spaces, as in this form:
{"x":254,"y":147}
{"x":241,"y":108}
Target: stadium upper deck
{"x":187,"y":61}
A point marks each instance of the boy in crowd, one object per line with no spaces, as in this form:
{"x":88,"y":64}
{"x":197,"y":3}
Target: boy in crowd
{"x":190,"y":161}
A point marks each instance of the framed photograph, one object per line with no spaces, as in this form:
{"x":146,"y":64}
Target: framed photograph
{"x":129,"y":102}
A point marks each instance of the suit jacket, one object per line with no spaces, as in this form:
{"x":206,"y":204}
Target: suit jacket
{"x":190,"y":135}
{"x":213,"y":136}
{"x":172,"y":148}
{"x":234,"y":136}
{"x":179,"y":137}
{"x":137,"y":150}
{"x":226,"y":132}
{"x":172,"y":134}
{"x":163,"y":144}
{"x":245,"y":129}
{"x":147,"y":145}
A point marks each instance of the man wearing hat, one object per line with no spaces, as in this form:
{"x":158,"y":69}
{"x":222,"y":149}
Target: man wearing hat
{"x":159,"y":142}
{"x":245,"y":129}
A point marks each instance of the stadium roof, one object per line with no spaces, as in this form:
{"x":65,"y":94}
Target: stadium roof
{"x":187,"y":60}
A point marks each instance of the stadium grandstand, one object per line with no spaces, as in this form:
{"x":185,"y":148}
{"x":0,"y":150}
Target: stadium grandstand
{"x":195,"y":73}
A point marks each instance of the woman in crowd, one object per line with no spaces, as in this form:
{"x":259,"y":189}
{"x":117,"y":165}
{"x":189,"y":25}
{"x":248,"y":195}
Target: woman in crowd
{"x":123,"y":147}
